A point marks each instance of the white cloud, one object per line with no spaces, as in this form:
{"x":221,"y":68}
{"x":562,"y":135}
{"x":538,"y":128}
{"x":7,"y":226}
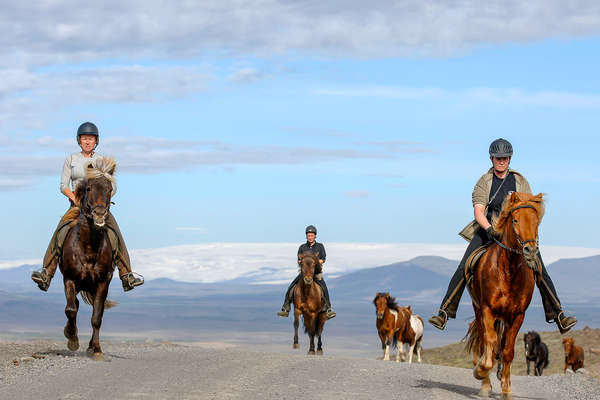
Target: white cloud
{"x":276,"y":262}
{"x":508,"y":96}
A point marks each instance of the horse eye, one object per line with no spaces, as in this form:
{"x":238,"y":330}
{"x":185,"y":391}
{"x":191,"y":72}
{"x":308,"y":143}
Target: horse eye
{"x":515,"y":221}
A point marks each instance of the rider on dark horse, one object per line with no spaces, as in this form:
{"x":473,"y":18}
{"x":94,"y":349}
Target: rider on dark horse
{"x":488,"y":195}
{"x":313,"y":247}
{"x":73,"y":173}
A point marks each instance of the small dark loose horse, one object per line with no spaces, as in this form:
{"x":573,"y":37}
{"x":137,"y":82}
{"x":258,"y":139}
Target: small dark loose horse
{"x":502,"y":287}
{"x":536,"y":351}
{"x":308,"y":303}
{"x":87,"y":260}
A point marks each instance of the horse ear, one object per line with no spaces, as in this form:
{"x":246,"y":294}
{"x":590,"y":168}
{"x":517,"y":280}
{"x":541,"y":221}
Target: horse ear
{"x":111,"y":171}
{"x":316,"y":255}
{"x":409,"y":308}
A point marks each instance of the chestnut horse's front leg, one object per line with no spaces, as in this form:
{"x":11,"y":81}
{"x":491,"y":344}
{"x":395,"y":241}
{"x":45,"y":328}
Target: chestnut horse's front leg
{"x":508,"y":352}
{"x":71,"y":309}
{"x":99,"y":299}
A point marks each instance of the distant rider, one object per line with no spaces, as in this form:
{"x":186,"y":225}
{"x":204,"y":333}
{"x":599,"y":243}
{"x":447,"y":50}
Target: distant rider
{"x":488,"y":195}
{"x":313,"y":247}
{"x":73,"y":173}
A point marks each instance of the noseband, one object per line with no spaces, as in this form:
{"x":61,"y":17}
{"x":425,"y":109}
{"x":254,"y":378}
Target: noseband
{"x":521,"y":242}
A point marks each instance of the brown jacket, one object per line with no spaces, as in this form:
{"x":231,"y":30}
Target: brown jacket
{"x":481,"y":195}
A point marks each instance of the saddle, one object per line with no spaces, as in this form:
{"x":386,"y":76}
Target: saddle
{"x":472,"y":261}
{"x":69,"y":220}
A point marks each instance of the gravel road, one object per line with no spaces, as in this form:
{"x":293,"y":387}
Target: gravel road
{"x":168,"y":371}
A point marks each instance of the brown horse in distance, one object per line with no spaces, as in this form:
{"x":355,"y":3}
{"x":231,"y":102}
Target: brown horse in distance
{"x":502,"y":287}
{"x":390,"y":323}
{"x":308,"y":303}
{"x":574,"y":355}
{"x":87,"y":260}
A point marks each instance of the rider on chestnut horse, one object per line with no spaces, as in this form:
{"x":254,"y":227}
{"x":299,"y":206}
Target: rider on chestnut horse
{"x":313,"y":247}
{"x":74,"y":171}
{"x":488,"y":195}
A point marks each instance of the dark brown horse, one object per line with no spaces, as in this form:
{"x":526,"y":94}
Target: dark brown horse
{"x":308,"y":303}
{"x":502,"y":287}
{"x":87,"y":260}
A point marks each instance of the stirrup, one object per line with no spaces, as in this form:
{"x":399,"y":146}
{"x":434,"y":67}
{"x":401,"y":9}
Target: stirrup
{"x":561,"y":328}
{"x":131,"y":280}
{"x":445,"y":318}
{"x":330,"y":313}
{"x":42,"y":278}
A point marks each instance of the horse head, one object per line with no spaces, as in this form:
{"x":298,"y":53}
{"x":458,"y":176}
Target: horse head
{"x":95,"y":192}
{"x":381,"y":303}
{"x":308,"y":263}
{"x":568,"y":344}
{"x":519,"y":221}
{"x":531,"y":339}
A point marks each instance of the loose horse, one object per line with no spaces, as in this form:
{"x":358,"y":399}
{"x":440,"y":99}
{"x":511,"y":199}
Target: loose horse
{"x":397,"y":324}
{"x":502,"y":287}
{"x":536,"y":351}
{"x":308,"y":303}
{"x":86,"y":262}
{"x":389,"y":323}
{"x":574,"y":355}
{"x":412,"y":333}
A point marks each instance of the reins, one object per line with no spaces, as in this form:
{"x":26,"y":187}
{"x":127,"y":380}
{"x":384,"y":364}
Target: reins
{"x":521,"y":242}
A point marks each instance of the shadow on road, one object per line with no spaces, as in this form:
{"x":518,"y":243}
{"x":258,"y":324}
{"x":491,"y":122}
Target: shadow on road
{"x":466,"y":391}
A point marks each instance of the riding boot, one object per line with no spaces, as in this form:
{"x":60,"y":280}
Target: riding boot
{"x":457,"y":285}
{"x":285,"y":309}
{"x":326,"y":301}
{"x":552,"y":307}
{"x":121,"y":258}
{"x":53,"y":252}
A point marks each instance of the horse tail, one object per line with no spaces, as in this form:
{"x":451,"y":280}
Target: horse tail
{"x":89,"y":299}
{"x":472,"y":338}
{"x":395,"y":341}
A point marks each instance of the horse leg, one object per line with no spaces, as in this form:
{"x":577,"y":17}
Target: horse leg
{"x":508,"y":353}
{"x":398,"y":350}
{"x":386,"y":352}
{"x":419,"y":344}
{"x":490,"y":338}
{"x":322,"y":317}
{"x":99,"y":299}
{"x":528,"y":367}
{"x":310,"y":325}
{"x":71,"y":309}
{"x":411,"y":348}
{"x":296,"y":324}
{"x":382,"y":338}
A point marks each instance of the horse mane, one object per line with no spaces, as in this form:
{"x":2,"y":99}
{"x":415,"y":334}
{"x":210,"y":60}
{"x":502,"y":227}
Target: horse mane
{"x":536,"y":336}
{"x":391,"y":301}
{"x":103,"y":167}
{"x":518,"y":199}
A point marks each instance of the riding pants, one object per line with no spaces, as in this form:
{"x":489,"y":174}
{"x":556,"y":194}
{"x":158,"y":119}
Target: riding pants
{"x":289,"y":295}
{"x":550,"y":301}
{"x":54,"y":249}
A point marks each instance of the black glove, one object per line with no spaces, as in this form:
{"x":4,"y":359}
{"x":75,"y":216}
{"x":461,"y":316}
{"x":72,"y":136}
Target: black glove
{"x":492,"y":233}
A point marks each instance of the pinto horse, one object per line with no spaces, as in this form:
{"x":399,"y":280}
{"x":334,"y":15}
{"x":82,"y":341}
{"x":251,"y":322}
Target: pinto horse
{"x":390,"y":322}
{"x":308,"y":303}
{"x":502,"y":287}
{"x":86,"y":262}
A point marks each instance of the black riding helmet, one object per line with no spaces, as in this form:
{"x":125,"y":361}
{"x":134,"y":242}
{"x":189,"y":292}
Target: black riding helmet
{"x":501,"y":148}
{"x":311,"y":229}
{"x":87,"y":128}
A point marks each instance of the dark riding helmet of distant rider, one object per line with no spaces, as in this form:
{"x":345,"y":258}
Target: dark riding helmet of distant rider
{"x":501,"y":148}
{"x":311,"y":229}
{"x":87,"y":128}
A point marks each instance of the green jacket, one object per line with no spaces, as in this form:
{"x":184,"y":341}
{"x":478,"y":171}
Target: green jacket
{"x":481,"y":195}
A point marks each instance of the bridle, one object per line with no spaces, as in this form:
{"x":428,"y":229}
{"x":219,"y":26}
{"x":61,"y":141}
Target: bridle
{"x":522,"y":243}
{"x":89,"y":211}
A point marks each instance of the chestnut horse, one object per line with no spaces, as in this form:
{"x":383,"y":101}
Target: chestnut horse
{"x":502,"y":287}
{"x":308,"y":303}
{"x":574,"y":355}
{"x":86,"y":262}
{"x":390,"y":323}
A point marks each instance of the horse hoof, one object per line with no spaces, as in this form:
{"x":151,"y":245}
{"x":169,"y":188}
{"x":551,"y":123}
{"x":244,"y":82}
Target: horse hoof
{"x":311,"y":353}
{"x":296,"y":346}
{"x":484,"y":392}
{"x":98,"y":356}
{"x":477,"y":374}
{"x":73,"y":345}
{"x":507,"y":396}
{"x":319,"y":352}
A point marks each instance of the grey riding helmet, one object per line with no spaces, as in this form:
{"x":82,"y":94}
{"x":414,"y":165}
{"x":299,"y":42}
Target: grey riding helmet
{"x":311,"y":229}
{"x":87,"y":128}
{"x":501,"y":148}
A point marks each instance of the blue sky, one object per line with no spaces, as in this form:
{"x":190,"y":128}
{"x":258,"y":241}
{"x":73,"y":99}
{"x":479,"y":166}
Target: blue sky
{"x":246,"y":121}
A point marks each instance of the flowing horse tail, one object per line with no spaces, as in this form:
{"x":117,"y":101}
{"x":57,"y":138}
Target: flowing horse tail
{"x":89,"y":299}
{"x":473,"y":337}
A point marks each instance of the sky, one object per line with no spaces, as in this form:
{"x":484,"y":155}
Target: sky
{"x":244,"y":121}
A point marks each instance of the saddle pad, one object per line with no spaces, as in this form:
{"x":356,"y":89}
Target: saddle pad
{"x":472,"y":261}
